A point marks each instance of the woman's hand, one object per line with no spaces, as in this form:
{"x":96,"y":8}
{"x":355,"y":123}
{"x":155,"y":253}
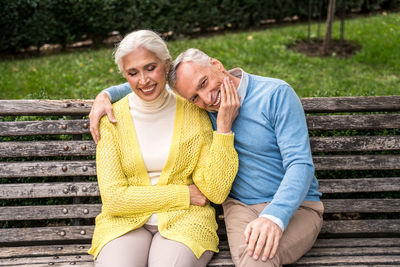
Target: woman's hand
{"x":229,"y":108}
{"x":101,"y":106}
{"x":196,"y":196}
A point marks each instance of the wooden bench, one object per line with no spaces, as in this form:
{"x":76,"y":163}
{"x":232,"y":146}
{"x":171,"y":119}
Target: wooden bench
{"x":49,"y":196}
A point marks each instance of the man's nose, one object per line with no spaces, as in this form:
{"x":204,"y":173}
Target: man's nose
{"x":205,"y":97}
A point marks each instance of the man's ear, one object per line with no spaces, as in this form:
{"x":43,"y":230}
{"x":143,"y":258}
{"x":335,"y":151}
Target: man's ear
{"x":216,"y":63}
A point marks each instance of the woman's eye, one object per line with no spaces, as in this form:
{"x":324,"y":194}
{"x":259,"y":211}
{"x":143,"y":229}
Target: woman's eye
{"x":132,"y":74}
{"x":151,"y":68}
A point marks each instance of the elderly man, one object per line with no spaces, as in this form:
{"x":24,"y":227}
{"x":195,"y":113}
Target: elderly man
{"x":273,"y":214}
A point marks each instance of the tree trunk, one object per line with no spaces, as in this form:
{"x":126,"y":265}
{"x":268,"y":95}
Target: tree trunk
{"x":329,"y":22}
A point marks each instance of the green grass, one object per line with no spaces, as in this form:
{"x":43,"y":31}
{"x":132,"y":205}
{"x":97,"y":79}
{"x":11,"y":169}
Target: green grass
{"x":375,"y":70}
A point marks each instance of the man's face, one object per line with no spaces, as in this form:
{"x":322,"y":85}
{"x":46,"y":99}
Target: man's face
{"x":200,"y":84}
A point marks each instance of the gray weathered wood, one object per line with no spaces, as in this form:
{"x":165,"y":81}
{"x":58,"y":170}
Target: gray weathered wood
{"x":67,"y":260}
{"x":47,"y":148}
{"x":24,"y":128}
{"x":356,"y":242}
{"x":359,"y":259}
{"x":371,"y":251}
{"x":55,"y":233}
{"x":359,"y":185}
{"x":350,"y":104}
{"x":92,"y":210}
{"x":47,"y":168}
{"x":353,"y":122}
{"x":43,"y":190}
{"x":49,"y":212}
{"x":357,"y":162}
{"x":384,"y":226}
{"x":361,"y":205}
{"x":44,"y":107}
{"x":48,"y":250}
{"x":354,"y":143}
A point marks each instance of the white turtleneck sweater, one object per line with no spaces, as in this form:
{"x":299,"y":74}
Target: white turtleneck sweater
{"x":154,"y":124}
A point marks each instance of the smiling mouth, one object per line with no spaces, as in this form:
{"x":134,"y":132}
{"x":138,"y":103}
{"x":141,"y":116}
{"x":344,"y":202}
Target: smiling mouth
{"x":216,"y":103}
{"x":148,"y":89}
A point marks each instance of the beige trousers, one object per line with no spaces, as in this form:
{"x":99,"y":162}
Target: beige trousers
{"x":297,"y":239}
{"x":146,"y":247}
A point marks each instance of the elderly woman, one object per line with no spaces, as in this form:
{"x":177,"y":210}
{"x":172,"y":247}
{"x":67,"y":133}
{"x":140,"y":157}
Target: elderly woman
{"x":158,"y":165}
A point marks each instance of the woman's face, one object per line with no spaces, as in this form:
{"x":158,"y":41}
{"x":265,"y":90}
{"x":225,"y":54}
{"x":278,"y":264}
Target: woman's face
{"x":146,"y":73}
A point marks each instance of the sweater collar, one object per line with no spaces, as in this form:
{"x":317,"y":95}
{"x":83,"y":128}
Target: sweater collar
{"x":244,"y":81}
{"x":161,"y":102}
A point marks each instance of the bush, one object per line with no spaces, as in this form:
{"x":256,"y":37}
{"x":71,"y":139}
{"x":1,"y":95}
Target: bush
{"x":37,"y":22}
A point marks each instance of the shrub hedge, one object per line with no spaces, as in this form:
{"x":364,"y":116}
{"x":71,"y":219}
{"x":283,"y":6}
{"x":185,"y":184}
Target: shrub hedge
{"x":25,"y":23}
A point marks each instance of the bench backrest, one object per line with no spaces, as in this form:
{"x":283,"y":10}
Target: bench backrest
{"x":49,"y":194}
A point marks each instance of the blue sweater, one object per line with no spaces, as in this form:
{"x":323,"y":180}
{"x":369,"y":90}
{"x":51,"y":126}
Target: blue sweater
{"x":271,"y":138}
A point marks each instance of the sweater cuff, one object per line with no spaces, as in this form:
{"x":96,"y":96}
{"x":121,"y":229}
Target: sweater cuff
{"x":182,"y":196}
{"x":223,"y":139}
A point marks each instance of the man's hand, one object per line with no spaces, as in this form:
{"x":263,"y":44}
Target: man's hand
{"x":196,"y":196}
{"x":260,"y":232}
{"x":229,"y":108}
{"x":101,"y":106}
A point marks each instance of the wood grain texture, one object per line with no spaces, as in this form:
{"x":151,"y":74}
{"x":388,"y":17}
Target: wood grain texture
{"x":46,"y":212}
{"x":50,"y":127}
{"x":46,"y":250}
{"x":357,"y":242}
{"x":43,"y":190}
{"x":54,"y":233}
{"x":47,"y":148}
{"x":357,"y":162}
{"x":353,"y":122}
{"x":44,"y":107}
{"x":385,"y":184}
{"x":361,"y":205}
{"x":354,"y":143}
{"x":47,"y":168}
{"x":350,"y":104}
{"x":384,"y":226}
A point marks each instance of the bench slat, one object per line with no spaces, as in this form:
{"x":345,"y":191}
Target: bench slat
{"x":350,"y":104}
{"x":357,"y":162}
{"x":92,"y":210}
{"x":47,"y":168}
{"x":310,"y":104}
{"x":24,"y":128}
{"x":391,"y":226}
{"x":84,"y":233}
{"x":348,"y":260}
{"x":356,"y":242}
{"x":47,"y":148}
{"x":49,"y":212}
{"x":386,"y":184}
{"x":88,"y":167}
{"x":43,"y":190}
{"x":88,"y":148}
{"x":332,"y":122}
{"x":354,"y":143}
{"x":50,"y":250}
{"x":44,"y":107}
{"x":370,"y":251}
{"x":64,"y":260}
{"x":353,"y":122}
{"x":76,"y":189}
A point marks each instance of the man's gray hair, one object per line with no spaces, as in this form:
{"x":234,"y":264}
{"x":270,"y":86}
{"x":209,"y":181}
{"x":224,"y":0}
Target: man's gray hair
{"x":192,"y":54}
{"x":142,"y":38}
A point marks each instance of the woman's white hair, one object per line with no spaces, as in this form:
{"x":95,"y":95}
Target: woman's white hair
{"x":142,"y":38}
{"x":191,"y":54}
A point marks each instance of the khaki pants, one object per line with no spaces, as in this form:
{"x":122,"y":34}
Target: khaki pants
{"x":146,"y":247}
{"x":297,"y":239}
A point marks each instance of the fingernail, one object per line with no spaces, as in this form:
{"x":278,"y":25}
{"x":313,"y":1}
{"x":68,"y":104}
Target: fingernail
{"x":264,"y":258}
{"x":250,"y":253}
{"x":255,"y":257}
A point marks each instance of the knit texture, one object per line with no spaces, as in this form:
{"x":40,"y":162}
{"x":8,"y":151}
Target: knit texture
{"x":196,"y":155}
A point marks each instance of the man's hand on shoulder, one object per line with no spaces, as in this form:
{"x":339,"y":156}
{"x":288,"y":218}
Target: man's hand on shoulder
{"x":260,"y":232}
{"x":101,"y":106}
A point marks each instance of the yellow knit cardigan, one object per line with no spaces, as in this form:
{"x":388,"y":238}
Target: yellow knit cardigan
{"x":197,"y":155}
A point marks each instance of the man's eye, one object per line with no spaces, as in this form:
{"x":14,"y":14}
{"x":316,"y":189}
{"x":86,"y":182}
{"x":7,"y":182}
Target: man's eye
{"x":204,"y":83}
{"x":195,"y":98}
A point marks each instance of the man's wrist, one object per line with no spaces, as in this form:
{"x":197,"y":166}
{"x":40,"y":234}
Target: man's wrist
{"x":274,"y":219}
{"x":105,"y":94}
